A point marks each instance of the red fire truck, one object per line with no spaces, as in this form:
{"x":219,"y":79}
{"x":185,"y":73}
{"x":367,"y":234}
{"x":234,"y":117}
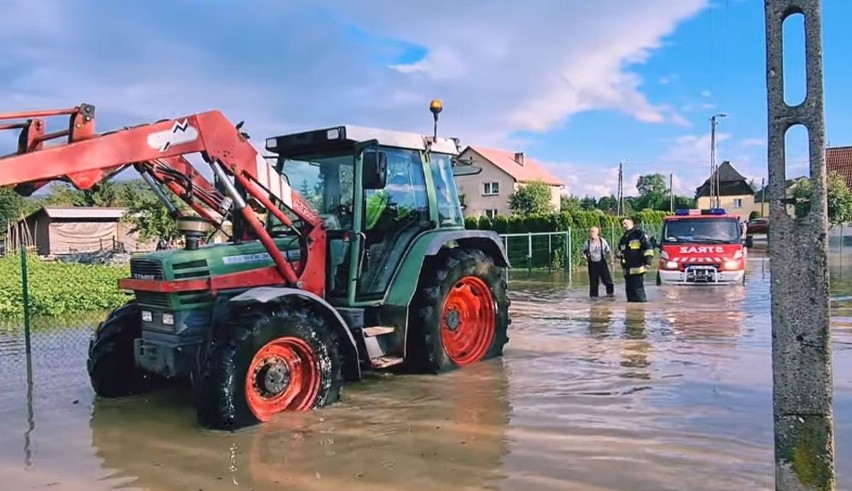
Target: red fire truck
{"x":702,"y":247}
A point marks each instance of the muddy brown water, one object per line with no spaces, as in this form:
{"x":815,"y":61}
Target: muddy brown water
{"x":590,"y":396}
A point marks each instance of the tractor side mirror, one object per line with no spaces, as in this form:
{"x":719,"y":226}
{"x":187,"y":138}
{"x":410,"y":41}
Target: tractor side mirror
{"x":375,"y":170}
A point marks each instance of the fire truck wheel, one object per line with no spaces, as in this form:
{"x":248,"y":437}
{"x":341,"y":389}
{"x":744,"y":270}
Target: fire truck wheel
{"x":284,"y":358}
{"x":111,"y":366}
{"x":460,"y":312}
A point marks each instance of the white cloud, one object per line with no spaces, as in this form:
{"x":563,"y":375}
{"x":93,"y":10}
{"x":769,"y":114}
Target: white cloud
{"x":753,"y":142}
{"x":498,"y":70}
{"x":706,"y":93}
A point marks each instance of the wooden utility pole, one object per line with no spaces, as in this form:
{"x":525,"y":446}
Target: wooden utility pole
{"x":801,"y":336}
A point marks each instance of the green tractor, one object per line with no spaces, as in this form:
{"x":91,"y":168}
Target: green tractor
{"x":348,"y":253}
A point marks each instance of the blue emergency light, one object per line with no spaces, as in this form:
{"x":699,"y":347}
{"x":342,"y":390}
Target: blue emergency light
{"x":694,"y":211}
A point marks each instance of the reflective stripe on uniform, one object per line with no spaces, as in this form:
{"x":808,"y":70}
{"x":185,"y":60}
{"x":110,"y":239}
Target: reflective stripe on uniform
{"x":638,"y":270}
{"x":634,"y":244}
{"x":649,"y":252}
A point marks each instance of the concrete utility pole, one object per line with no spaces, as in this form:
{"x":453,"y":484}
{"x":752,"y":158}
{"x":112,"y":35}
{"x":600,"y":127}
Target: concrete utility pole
{"x":620,"y":204}
{"x":671,"y":193}
{"x":801,"y":336}
{"x":715,"y":181}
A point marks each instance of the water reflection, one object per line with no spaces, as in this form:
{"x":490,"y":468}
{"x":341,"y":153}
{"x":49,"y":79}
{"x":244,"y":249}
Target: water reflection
{"x":423,"y":432}
{"x":592,"y":395}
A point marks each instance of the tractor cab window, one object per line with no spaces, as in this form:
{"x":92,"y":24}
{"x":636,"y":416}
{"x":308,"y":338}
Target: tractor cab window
{"x":326,"y":183}
{"x":404,"y":197}
{"x":446,"y":194}
{"x":392,"y":218}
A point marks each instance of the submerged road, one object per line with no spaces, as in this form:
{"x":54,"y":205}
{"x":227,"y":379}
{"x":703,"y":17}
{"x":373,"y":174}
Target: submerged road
{"x":596,"y":395}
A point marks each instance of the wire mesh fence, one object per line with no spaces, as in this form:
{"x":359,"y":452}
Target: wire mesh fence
{"x":558,"y":250}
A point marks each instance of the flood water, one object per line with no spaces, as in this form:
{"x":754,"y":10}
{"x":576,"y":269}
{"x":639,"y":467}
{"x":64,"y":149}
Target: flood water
{"x":597,"y":395}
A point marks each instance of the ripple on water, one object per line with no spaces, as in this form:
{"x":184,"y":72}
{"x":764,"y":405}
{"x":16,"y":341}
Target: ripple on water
{"x":590,"y":396}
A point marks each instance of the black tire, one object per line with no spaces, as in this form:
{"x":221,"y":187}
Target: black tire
{"x":222,"y":402}
{"x":111,"y":363}
{"x":425,"y":349}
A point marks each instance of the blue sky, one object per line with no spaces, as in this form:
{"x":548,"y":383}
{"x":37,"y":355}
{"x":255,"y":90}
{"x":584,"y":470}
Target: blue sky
{"x":577,"y":85}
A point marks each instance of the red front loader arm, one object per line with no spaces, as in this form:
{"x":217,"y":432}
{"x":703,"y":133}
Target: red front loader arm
{"x":158,"y":150}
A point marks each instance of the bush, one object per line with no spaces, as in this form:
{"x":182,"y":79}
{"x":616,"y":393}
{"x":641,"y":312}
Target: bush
{"x":560,"y":222}
{"x":57,"y":289}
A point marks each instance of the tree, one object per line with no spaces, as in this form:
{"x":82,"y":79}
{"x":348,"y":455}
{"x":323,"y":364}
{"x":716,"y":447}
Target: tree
{"x":531,"y":198}
{"x":607,"y":203}
{"x":839,"y":198}
{"x":11,"y":207}
{"x":570,"y":203}
{"x":652,"y":185}
{"x":148,"y":216}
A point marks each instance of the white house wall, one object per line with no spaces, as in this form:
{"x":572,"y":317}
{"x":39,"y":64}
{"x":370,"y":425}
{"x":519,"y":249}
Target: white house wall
{"x":472,"y":188}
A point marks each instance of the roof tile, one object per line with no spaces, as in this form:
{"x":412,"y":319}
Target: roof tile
{"x":839,"y":159}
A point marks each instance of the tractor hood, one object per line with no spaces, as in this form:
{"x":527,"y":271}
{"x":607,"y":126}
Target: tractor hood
{"x":208,"y":260}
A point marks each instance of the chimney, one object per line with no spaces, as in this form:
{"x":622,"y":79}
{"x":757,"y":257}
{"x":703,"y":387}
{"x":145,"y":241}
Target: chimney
{"x":519,"y":158}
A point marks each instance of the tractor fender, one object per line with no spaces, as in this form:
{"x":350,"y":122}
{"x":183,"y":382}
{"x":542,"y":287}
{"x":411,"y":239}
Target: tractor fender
{"x":267,"y":294}
{"x":404,"y":282}
{"x":485,"y":240}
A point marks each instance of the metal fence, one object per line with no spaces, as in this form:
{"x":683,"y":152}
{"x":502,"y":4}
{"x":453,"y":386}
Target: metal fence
{"x":558,"y":250}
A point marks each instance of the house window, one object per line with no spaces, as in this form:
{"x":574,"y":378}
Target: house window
{"x":490,"y":188}
{"x":491,"y":213}
{"x":738,"y":203}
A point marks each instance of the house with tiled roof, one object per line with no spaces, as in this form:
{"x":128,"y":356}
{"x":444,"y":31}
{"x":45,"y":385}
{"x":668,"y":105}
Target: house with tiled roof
{"x":503,"y":172}
{"x":839,"y":160}
{"x":735,"y":193}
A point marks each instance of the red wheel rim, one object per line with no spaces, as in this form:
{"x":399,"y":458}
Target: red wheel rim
{"x":468,"y":322}
{"x":283,"y":375}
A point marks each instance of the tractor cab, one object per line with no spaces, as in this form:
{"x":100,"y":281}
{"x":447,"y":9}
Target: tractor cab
{"x":376,"y":190}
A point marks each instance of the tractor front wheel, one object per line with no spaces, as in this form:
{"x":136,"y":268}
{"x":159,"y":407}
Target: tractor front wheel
{"x":111,"y":364}
{"x":273,"y":360}
{"x":460,"y":313}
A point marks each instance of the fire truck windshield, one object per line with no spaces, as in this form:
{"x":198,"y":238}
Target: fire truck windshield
{"x":702,"y":230}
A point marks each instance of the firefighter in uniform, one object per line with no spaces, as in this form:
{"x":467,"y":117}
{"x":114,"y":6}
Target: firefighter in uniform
{"x":636,"y":253}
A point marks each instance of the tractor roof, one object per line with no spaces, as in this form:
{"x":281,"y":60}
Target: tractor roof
{"x":346,"y":135}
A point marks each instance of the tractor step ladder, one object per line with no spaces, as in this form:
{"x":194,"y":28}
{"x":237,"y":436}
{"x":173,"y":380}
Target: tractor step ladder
{"x":378,"y":330}
{"x":385,"y":361}
{"x":375,"y":351}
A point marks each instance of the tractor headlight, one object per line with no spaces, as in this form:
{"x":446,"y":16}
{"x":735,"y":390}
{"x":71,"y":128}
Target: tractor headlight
{"x":147,"y":316}
{"x":168,"y":319}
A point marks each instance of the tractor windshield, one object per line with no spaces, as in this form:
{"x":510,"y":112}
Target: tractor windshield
{"x":702,"y":230}
{"x":326,"y":182}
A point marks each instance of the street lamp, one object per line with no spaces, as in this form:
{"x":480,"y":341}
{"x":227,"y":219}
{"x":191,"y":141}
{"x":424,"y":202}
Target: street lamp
{"x":715,"y":181}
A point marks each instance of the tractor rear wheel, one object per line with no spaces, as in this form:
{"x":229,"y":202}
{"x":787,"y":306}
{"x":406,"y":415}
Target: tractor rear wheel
{"x":460,"y":313}
{"x":272,"y":360}
{"x":111,"y":364}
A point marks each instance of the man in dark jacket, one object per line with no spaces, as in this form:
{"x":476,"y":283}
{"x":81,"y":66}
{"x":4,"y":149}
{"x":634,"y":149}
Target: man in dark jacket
{"x":636,"y":253}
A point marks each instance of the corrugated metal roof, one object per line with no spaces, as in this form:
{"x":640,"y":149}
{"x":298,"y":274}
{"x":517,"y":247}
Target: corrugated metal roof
{"x":83,"y":212}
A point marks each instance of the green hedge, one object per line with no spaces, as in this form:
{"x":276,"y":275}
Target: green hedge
{"x":548,"y":251}
{"x":560,"y":222}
